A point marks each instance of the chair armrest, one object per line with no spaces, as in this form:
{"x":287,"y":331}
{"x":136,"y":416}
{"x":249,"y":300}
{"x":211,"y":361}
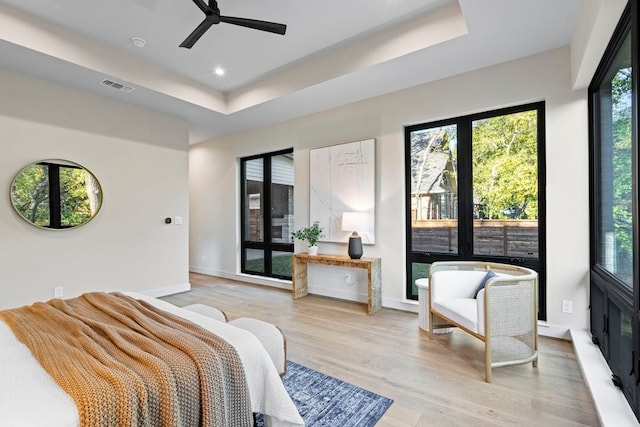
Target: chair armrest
{"x":480,"y":301}
{"x":511,"y":304}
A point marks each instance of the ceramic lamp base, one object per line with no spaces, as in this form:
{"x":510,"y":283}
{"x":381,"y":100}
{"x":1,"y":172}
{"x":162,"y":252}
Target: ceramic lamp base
{"x":355,"y":246}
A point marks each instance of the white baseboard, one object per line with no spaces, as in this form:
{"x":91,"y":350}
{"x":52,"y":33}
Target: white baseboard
{"x":169,"y":290}
{"x":265,"y":281}
{"x":204,"y":270}
{"x":552,"y":331}
{"x":611,"y":405}
{"x":257,"y":280}
{"x":403,"y":305}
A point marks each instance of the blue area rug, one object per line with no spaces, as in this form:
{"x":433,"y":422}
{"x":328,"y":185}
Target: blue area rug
{"x":326,"y":401}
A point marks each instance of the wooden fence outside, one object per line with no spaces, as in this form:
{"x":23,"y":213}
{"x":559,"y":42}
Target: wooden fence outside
{"x":514,"y":238}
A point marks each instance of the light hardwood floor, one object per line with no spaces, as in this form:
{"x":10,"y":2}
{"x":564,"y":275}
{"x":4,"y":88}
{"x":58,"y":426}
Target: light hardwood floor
{"x":432,"y":383}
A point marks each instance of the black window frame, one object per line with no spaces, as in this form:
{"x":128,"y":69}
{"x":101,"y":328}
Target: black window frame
{"x":465,"y":199}
{"x":609,"y":297}
{"x":267,"y":245}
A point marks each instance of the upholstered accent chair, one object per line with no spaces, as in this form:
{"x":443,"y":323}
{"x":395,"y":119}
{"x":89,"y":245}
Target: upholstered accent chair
{"x":496,"y":303}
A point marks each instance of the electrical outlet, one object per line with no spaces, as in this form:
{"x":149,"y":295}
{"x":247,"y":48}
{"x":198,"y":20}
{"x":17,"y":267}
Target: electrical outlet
{"x":58,"y":292}
{"x":567,"y":306}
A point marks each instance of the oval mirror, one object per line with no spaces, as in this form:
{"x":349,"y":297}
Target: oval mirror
{"x":56,"y":194}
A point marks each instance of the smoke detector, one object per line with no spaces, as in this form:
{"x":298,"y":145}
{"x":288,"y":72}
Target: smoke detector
{"x":138,"y":42}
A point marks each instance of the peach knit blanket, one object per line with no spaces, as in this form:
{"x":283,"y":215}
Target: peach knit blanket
{"x":127,"y":363}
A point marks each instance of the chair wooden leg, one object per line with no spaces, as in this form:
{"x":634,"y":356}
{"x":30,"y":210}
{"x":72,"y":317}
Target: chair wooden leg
{"x":431,"y":318}
{"x":487,"y":363}
{"x":487,"y":373}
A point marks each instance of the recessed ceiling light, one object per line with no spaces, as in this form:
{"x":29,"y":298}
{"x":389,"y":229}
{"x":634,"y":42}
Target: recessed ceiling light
{"x":138,"y":42}
{"x":219,"y":71}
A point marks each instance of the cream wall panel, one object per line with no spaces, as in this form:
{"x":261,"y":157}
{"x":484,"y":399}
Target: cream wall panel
{"x":141,"y":161}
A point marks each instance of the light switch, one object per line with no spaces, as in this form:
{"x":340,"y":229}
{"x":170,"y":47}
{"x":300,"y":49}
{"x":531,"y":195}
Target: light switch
{"x":178,"y":220}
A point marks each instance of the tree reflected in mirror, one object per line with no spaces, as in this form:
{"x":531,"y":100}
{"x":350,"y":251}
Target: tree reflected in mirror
{"x":56,"y":194}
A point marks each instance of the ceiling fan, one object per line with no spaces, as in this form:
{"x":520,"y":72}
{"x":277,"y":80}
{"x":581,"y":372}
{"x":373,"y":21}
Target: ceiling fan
{"x":213,"y":17}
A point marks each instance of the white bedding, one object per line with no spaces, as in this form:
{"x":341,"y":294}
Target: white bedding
{"x":30,"y":397}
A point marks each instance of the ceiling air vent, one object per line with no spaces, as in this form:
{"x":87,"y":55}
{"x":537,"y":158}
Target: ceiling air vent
{"x":115,"y":85}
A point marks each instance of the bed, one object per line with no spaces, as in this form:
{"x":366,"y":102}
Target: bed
{"x":29,"y":396}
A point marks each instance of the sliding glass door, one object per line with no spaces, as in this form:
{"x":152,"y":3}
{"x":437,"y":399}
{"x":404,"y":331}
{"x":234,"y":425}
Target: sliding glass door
{"x":267,"y":214}
{"x":475,"y":191}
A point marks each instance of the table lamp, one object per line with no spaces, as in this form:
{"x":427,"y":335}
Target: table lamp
{"x":351,"y":221}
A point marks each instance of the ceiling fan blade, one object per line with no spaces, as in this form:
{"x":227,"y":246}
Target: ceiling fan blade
{"x":271,"y":27}
{"x":213,"y":5}
{"x":199,"y":31}
{"x":203,"y":6}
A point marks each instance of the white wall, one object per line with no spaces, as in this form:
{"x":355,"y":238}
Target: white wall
{"x":214,"y":176}
{"x":141,"y":160}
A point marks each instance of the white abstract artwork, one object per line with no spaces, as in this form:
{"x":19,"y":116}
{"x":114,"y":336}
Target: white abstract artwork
{"x":342,"y":179}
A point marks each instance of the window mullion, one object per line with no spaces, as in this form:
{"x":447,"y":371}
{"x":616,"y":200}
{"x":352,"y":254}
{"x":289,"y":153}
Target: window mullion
{"x":465,"y":189}
{"x":267,"y":212}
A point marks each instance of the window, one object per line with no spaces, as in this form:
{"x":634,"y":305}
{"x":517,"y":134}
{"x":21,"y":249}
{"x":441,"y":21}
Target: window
{"x":475,"y":191}
{"x":267,"y":214}
{"x":614,"y":289}
{"x":615,"y":162}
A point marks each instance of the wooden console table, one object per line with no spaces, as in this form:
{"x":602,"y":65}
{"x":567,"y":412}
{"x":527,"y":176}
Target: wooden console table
{"x":372,"y":265}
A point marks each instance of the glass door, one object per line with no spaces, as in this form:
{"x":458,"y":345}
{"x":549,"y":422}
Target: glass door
{"x":253,"y":221}
{"x":281,"y":210}
{"x":267,"y":214}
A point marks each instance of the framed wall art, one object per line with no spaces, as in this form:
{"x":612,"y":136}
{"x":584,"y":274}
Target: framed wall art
{"x":342,"y":180}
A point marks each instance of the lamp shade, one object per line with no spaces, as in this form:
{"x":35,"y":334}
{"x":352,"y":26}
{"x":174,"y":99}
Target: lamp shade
{"x":353,"y":221}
